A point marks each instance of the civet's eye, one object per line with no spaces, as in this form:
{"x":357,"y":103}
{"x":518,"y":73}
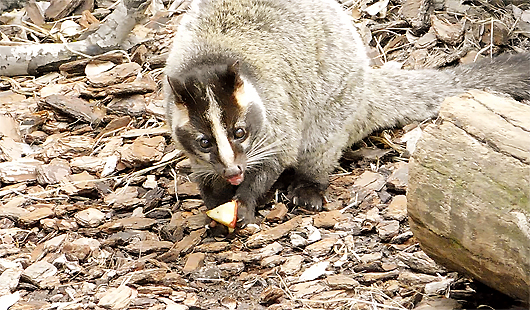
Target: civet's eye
{"x":204,"y":143}
{"x":239,"y":133}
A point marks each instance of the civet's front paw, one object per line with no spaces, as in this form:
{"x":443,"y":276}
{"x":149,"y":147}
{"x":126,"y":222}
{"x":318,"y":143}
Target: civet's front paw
{"x":307,"y":196}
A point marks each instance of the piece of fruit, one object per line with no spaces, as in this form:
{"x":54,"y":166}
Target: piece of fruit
{"x":225,"y":214}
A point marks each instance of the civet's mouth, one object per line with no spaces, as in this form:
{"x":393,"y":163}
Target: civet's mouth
{"x":235,"y":179}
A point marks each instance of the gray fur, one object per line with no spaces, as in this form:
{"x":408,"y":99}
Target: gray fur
{"x":310,"y":68}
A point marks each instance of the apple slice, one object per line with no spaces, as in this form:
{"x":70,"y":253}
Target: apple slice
{"x":225,"y":214}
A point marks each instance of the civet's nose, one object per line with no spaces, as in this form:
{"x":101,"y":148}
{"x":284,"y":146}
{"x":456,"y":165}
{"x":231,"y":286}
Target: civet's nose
{"x":233,"y":174}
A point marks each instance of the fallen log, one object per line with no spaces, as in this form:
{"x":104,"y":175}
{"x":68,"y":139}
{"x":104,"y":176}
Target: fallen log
{"x":469,"y":190}
{"x":35,"y":59}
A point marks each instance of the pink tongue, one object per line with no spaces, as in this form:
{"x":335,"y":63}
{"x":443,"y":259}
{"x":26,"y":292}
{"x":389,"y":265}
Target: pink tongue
{"x":236,"y":179}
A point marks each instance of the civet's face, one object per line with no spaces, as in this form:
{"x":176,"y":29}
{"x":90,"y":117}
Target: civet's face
{"x":215,"y":116}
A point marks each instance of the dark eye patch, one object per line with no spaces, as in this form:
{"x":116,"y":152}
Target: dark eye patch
{"x":187,"y":139}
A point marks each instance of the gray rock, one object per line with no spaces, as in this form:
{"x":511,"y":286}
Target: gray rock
{"x":341,"y":282}
{"x":118,"y":298}
{"x":292,"y":265}
{"x":388,"y":229}
{"x":90,"y":217}
{"x":321,"y":247}
{"x":39,"y":272}
{"x":9,"y":280}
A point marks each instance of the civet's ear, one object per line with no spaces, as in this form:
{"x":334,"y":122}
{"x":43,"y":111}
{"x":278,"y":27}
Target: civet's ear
{"x":177,"y":87}
{"x":233,"y":74}
{"x":234,"y":67}
{"x":178,"y":111}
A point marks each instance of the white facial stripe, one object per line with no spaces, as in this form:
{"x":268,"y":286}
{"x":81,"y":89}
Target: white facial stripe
{"x":213,"y":114}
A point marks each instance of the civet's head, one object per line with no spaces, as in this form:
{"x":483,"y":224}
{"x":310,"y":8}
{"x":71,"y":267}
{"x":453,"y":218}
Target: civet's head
{"x":215,"y":113}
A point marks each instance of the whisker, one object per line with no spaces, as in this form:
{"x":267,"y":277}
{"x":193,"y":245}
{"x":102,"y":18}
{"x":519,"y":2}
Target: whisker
{"x":205,"y":172}
{"x":257,"y":145}
{"x":259,"y":152}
